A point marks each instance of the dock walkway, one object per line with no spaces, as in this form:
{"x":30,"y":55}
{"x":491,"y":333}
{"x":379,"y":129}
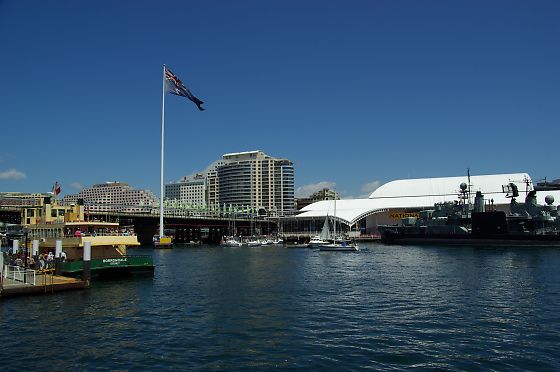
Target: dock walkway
{"x":45,"y":282}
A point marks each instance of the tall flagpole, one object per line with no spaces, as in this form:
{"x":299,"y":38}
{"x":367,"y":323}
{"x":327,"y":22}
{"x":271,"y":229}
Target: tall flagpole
{"x":161,"y":173}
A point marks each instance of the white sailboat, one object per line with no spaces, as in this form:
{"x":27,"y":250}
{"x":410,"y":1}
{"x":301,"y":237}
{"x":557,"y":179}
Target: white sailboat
{"x":254,"y":242}
{"x":323,"y":238}
{"x":232,"y":242}
{"x":342,"y":245}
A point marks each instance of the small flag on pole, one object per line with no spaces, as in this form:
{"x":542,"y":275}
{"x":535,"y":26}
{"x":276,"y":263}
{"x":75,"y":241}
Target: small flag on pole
{"x":56,"y":189}
{"x":175,"y":86}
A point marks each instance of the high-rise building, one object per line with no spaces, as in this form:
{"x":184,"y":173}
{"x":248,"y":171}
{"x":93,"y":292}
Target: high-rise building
{"x":114,"y":197}
{"x":244,"y":180}
{"x":256,"y":180}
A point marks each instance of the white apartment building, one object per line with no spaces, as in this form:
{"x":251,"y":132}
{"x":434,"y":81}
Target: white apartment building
{"x":244,"y":180}
{"x":256,"y":180}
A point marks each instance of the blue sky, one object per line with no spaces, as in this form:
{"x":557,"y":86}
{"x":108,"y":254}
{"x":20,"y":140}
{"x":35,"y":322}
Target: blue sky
{"x":355,"y":93}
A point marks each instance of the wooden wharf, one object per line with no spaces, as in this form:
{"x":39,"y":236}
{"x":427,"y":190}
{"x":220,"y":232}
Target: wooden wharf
{"x":45,"y":282}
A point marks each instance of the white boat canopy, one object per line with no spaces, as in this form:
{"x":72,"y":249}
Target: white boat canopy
{"x":423,"y":193}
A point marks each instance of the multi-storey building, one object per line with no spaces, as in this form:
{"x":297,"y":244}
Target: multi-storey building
{"x":188,"y":191}
{"x":16,"y":199}
{"x":114,"y":197}
{"x":212,"y":188}
{"x":243,"y":180}
{"x":324,"y":194}
{"x":256,"y":180}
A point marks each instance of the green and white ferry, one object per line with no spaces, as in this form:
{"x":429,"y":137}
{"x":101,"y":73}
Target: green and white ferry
{"x":50,"y":221}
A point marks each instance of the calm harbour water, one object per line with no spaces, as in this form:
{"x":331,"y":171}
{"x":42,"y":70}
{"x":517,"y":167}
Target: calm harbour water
{"x":385,"y":307}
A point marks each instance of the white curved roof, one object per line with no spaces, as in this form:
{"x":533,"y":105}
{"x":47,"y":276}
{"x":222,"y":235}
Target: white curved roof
{"x":420,"y":193}
{"x":450,"y":185}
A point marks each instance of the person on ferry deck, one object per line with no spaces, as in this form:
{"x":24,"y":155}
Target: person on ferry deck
{"x":50,"y":259}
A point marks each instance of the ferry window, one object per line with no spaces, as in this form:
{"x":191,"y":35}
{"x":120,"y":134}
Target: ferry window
{"x":53,"y":212}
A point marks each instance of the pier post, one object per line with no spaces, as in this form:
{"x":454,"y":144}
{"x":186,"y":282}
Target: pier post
{"x":35,"y":248}
{"x":1,"y":271}
{"x":87,"y":261}
{"x":57,"y":257}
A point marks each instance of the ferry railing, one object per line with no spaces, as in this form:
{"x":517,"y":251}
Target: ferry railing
{"x":19,"y":274}
{"x":100,"y":233}
{"x":48,"y":279}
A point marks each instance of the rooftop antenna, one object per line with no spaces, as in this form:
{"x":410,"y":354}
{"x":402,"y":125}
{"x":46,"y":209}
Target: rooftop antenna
{"x":527,"y":182}
{"x":469,"y":188}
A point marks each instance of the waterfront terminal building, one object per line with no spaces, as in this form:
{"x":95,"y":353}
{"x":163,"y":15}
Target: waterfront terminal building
{"x":401,"y":198}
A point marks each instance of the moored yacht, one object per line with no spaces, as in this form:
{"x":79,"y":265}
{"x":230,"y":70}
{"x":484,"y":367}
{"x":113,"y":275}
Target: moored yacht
{"x":162,"y":241}
{"x":316,"y":241}
{"x":341,"y":246}
{"x":337,"y":244}
{"x":254,"y":242}
{"x":231,"y":241}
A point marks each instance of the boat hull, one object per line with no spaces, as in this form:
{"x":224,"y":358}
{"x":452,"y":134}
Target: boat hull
{"x":231,"y":244}
{"x":164,"y":242}
{"x":471,"y":240}
{"x":295,"y":245}
{"x":112,"y":267}
{"x":317,"y":243}
{"x":338,"y":248}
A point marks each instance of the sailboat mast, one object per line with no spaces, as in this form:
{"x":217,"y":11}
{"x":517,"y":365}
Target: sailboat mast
{"x":161,"y":165}
{"x":334,"y":221}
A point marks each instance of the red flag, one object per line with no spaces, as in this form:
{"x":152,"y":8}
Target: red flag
{"x":56,"y":189}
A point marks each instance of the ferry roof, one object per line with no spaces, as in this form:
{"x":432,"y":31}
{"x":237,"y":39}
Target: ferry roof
{"x":422,"y":193}
{"x":92,"y":223}
{"x":74,"y":224}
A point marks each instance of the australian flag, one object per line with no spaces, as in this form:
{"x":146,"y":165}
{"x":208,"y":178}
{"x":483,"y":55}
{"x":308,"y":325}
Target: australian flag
{"x":174,"y":86}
